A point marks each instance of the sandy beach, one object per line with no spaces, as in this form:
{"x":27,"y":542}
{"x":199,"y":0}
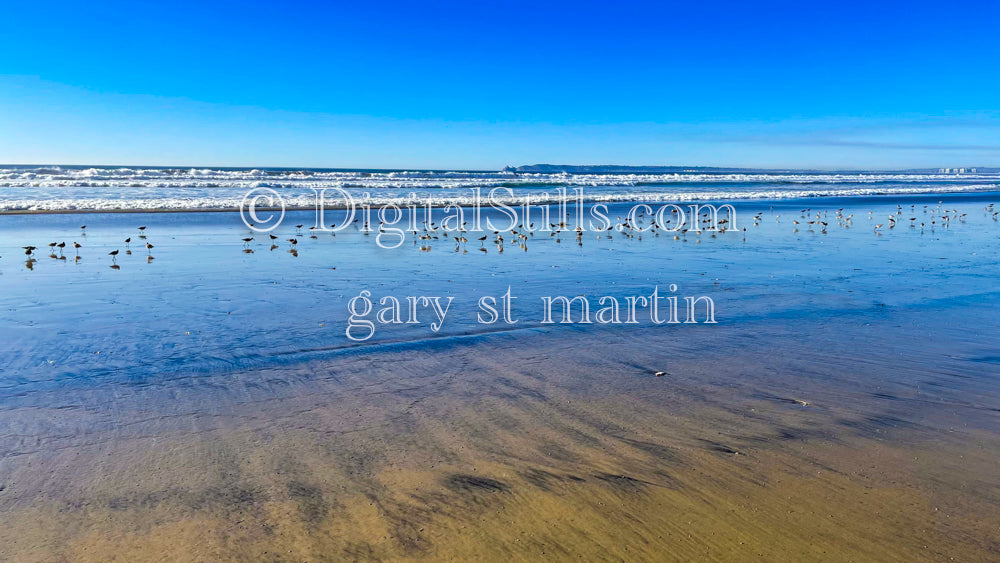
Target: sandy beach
{"x":200,"y":401}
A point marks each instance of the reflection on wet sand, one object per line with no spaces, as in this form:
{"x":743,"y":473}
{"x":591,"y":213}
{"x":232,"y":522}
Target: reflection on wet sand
{"x":559,"y":446}
{"x":208,"y":407}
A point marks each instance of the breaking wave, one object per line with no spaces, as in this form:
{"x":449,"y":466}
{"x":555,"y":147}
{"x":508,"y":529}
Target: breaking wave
{"x":65,"y":188}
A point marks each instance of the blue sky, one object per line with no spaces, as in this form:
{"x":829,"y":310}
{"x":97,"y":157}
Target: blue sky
{"x":484,"y":84}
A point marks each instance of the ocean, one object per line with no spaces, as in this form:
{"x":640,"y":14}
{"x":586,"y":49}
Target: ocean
{"x":80,"y":188}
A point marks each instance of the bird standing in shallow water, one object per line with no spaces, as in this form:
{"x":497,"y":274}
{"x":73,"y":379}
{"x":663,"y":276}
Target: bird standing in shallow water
{"x":149,"y":247}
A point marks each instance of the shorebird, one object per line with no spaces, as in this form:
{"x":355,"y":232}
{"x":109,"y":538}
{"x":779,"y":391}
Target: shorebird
{"x":247,"y":241}
{"x":142,"y":229}
{"x":61,"y":246}
{"x":28,"y":250}
{"x":127,"y":241}
{"x":149,"y":247}
{"x":113,"y":254}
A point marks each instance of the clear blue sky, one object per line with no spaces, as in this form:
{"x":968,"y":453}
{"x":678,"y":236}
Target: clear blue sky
{"x":484,"y":84}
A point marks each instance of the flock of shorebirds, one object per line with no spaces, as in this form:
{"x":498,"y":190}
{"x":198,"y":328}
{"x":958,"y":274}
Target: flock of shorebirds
{"x":60,"y":247}
{"x":931,"y":217}
{"x":519,"y":236}
{"x":643,"y":224}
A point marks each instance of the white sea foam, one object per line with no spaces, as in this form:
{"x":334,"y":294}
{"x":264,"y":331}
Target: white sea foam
{"x":56,"y":188}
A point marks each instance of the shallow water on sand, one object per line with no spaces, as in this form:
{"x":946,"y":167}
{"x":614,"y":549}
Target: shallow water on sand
{"x":844,"y":407}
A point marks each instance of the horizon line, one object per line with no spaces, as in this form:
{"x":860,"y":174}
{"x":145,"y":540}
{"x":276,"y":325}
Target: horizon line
{"x":993,"y":168}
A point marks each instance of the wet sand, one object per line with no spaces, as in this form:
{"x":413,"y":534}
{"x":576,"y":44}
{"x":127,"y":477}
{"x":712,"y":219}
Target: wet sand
{"x":810,"y":428}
